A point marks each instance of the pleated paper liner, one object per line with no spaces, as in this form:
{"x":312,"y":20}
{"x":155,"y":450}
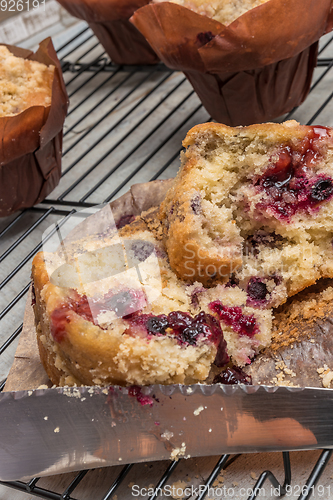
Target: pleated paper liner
{"x":253,"y":70}
{"x":31,"y":142}
{"x":109,"y":20}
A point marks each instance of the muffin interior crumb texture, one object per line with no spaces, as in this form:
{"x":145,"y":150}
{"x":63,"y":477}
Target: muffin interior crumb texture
{"x":254,"y":202}
{"x":23,"y":83}
{"x":224,"y":11}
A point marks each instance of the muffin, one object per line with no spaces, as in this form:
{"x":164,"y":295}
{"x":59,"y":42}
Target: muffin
{"x":109,"y":20}
{"x":253,"y":206}
{"x":250,"y":62}
{"x":111,"y":311}
{"x":33,"y":107}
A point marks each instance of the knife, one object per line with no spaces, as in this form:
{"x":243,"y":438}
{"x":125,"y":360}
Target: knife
{"x":57,"y":430}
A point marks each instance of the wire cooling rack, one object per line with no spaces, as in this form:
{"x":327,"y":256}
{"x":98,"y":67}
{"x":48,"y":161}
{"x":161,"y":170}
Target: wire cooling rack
{"x":125,"y":125}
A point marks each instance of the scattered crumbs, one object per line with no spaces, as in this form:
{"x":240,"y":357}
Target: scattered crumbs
{"x":113,"y":424}
{"x":29,"y":393}
{"x":72,"y":392}
{"x":91,"y":391}
{"x":56,"y":429}
{"x":292,"y":346}
{"x":178,"y":487}
{"x":219,"y":480}
{"x":326,"y":374}
{"x":105,"y":391}
{"x":280,"y":376}
{"x":235,"y":484}
{"x":253,"y":475}
{"x":151,"y":486}
{"x":209,"y":430}
{"x":289,"y":372}
{"x":222,"y":408}
{"x":198,"y":410}
{"x":196,"y":476}
{"x":83,"y":399}
{"x":167,"y":435}
{"x":120,"y":459}
{"x":188,"y":479}
{"x":115,"y":497}
{"x":178,"y":452}
{"x":92,"y":419}
{"x":43,"y":386}
{"x":312,"y":341}
{"x":130,"y":485}
{"x":184,"y":418}
{"x":46,"y":418}
{"x":189,"y":390}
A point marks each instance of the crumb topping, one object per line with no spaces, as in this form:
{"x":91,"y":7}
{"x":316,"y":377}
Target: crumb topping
{"x":23,"y":83}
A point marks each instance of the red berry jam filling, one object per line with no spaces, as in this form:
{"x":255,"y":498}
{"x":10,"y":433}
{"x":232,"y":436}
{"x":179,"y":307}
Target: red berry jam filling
{"x":243,"y":324}
{"x":157,"y":324}
{"x":232,"y":376}
{"x":123,"y":303}
{"x":188,"y":330}
{"x":257,"y":291}
{"x":136,"y":392}
{"x":290,"y":183}
{"x":233,"y":281}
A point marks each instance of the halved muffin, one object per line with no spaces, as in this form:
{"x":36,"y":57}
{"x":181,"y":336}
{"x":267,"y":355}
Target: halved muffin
{"x":112,"y":312}
{"x":254,"y":203}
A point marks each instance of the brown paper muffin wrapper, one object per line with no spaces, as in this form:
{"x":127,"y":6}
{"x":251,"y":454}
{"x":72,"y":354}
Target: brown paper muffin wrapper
{"x":256,"y":95}
{"x":109,"y":20}
{"x":31,"y":142}
{"x":256,"y":69}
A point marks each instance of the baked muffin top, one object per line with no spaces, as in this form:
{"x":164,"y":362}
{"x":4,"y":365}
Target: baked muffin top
{"x":224,"y":11}
{"x":23,"y":83}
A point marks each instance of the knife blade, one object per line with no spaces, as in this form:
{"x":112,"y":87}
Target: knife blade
{"x":51,"y":431}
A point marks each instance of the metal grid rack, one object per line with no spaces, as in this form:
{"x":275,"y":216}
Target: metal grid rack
{"x":125,"y":125}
